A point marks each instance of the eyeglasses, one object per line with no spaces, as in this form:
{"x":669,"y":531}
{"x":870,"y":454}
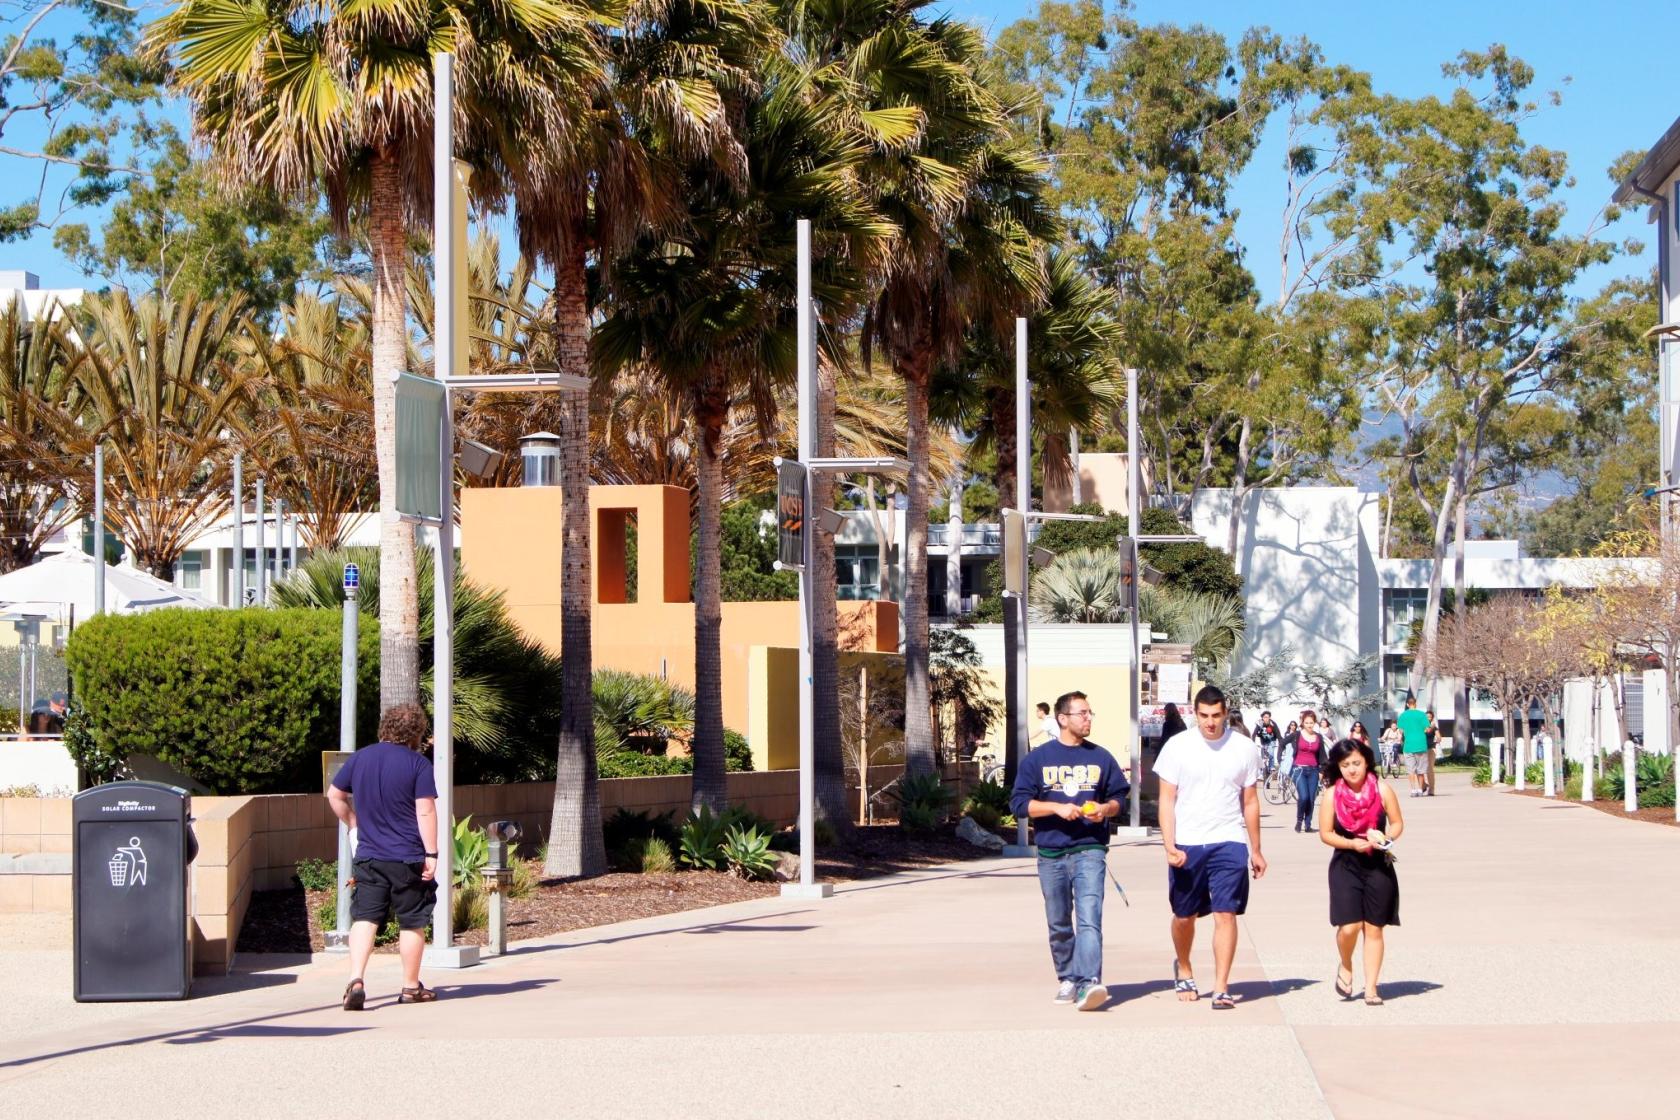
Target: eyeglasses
{"x":1087,"y":713}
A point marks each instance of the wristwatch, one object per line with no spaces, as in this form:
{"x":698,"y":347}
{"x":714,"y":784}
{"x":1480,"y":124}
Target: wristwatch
{"x":431,"y":855}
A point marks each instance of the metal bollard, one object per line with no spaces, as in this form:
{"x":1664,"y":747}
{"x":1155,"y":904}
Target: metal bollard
{"x":497,"y":878}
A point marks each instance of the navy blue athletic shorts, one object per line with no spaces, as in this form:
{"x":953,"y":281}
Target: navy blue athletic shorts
{"x":1214,"y":879}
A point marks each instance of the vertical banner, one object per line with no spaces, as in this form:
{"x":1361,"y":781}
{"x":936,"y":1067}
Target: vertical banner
{"x":790,"y":514}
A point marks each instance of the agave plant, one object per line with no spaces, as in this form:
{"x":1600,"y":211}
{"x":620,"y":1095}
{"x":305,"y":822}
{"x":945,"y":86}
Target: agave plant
{"x":1085,"y":585}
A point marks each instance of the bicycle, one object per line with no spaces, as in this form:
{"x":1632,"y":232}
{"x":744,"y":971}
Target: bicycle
{"x":1277,"y":786}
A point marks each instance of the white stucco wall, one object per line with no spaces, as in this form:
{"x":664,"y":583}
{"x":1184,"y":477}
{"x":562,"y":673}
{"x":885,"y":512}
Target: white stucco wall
{"x":1309,"y":574}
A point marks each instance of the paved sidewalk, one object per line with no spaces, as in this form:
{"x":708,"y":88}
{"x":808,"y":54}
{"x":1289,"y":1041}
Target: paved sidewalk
{"x":1536,"y":975}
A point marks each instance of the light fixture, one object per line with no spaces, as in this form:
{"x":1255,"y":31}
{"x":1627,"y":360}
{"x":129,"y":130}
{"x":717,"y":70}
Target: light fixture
{"x":479,"y":460}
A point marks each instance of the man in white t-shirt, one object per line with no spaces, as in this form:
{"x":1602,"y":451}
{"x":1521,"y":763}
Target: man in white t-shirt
{"x":1210,"y":827}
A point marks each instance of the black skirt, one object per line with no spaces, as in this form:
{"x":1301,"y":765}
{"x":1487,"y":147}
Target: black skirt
{"x":1363,"y":888}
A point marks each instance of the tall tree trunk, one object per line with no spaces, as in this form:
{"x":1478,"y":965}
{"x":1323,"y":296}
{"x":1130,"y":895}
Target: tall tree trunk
{"x":711,"y":783}
{"x":575,"y":844}
{"x":1003,"y":440}
{"x":1432,"y":603}
{"x":828,"y":752}
{"x":919,"y":753}
{"x":1239,"y":480}
{"x":1461,"y":698}
{"x":399,"y":601}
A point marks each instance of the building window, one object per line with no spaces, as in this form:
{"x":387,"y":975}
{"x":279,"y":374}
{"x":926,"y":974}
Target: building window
{"x":857,"y":571}
{"x":1402,"y":610}
{"x":192,"y":570}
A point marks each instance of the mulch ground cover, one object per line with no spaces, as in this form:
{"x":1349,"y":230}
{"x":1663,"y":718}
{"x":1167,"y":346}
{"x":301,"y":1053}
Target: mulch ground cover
{"x":1613,"y":808}
{"x":284,"y":921}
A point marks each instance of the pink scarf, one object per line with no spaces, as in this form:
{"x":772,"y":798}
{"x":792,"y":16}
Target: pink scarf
{"x":1358,"y":812}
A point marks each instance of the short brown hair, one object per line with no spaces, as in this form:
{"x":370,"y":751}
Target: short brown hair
{"x":407,"y":724}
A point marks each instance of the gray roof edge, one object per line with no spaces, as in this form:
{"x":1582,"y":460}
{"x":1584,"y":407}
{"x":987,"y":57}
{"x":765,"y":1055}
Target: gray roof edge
{"x":1659,"y":163}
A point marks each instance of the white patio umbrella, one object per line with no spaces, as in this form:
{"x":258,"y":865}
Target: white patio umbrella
{"x":60,"y":588}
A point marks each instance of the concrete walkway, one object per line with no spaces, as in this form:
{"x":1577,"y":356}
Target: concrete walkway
{"x":1537,"y":975}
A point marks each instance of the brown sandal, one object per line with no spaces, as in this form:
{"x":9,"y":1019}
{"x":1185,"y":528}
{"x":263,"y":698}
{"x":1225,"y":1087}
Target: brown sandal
{"x":355,"y":995}
{"x":417,"y":994}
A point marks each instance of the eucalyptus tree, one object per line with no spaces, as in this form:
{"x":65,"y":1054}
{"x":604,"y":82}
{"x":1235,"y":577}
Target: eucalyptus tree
{"x":710,"y":306}
{"x":338,"y":97}
{"x":43,"y":475}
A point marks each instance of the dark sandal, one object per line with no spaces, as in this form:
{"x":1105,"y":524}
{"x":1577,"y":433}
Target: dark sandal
{"x":1187,"y":984}
{"x":1224,"y":1001}
{"x":1373,"y":1001}
{"x":417,"y":994}
{"x":1344,"y":990}
{"x":355,"y":995}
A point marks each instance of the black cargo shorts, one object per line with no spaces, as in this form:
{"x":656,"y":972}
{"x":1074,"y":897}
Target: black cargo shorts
{"x":386,"y":884}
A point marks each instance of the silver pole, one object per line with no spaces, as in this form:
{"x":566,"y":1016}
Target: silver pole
{"x":346,"y":742}
{"x":262,"y":550}
{"x":99,"y":528}
{"x":279,"y":538}
{"x":444,"y":321}
{"x":273,"y":575}
{"x":1023,"y":502}
{"x":292,"y":549}
{"x":1133,"y":470}
{"x":238,"y":573}
{"x":807,"y":342}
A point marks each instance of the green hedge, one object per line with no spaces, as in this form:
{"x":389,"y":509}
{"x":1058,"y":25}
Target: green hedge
{"x":242,"y":701}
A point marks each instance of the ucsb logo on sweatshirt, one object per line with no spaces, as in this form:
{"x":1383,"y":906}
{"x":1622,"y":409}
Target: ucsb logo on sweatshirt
{"x":1081,"y":778}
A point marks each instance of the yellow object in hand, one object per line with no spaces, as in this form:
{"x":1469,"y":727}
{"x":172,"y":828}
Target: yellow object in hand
{"x":1089,"y":808}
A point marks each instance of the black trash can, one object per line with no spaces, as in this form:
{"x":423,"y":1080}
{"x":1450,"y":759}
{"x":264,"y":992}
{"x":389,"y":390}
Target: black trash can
{"x":132,"y":842}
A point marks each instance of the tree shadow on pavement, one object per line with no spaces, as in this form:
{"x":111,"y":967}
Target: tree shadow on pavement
{"x":728,"y":925}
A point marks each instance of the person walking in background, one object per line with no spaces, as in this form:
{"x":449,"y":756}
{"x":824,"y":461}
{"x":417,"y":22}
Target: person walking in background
{"x":1238,"y":725}
{"x":1046,"y":725}
{"x":1210,"y":829}
{"x":1267,"y":737}
{"x":1071,"y":788}
{"x":1305,"y":748}
{"x":1434,"y":734}
{"x":1414,"y":742}
{"x":1358,"y":733}
{"x":386,"y":794}
{"x":1171,"y":722}
{"x":1388,"y":745}
{"x":1360,"y":819}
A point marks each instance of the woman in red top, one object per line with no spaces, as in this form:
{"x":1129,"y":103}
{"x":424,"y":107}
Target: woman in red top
{"x":1305,"y":749}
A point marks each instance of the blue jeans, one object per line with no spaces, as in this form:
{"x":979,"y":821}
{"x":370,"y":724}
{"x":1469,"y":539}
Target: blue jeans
{"x":1073,"y":894}
{"x":1306,"y":791}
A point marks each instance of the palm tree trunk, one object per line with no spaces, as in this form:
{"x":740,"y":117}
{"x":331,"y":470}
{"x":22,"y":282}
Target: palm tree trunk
{"x":828,"y":753}
{"x":399,"y":603}
{"x":1003,"y":440}
{"x":711,"y":783}
{"x":919,"y":754}
{"x":575,"y":844}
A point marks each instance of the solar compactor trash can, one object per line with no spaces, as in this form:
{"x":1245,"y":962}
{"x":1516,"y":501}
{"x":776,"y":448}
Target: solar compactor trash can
{"x":132,"y":842}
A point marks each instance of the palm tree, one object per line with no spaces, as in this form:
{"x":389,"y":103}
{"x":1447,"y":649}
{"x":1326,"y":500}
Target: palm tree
{"x":339,"y":96}
{"x":311,"y":420}
{"x":1073,"y":363}
{"x":969,"y":204}
{"x":164,"y":387}
{"x":710,"y":305}
{"x":651,"y":96}
{"x":41,"y":479}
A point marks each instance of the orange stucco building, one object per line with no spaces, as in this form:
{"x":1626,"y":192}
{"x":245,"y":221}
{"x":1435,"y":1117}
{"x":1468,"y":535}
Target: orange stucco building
{"x":511,"y":542}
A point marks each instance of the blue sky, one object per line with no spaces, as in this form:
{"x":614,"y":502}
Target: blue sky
{"x":1618,"y":55}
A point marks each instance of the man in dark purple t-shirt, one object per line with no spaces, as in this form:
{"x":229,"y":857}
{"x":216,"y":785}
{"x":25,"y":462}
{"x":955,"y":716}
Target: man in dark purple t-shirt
{"x":394,"y":813}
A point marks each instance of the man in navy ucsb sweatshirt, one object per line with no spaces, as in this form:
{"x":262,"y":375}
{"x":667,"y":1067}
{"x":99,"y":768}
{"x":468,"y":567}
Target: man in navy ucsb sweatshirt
{"x":1070,"y":788}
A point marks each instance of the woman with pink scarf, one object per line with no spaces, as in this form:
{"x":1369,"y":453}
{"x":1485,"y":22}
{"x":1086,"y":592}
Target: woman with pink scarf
{"x":1360,"y":819}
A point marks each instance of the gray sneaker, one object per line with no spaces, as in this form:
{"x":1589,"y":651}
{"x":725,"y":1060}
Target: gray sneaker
{"x":1066,"y":992}
{"x":1089,"y":997}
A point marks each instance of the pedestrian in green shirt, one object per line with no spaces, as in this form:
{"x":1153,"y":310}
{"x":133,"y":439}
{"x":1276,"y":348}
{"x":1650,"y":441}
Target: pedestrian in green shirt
{"x":1414,"y":743}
